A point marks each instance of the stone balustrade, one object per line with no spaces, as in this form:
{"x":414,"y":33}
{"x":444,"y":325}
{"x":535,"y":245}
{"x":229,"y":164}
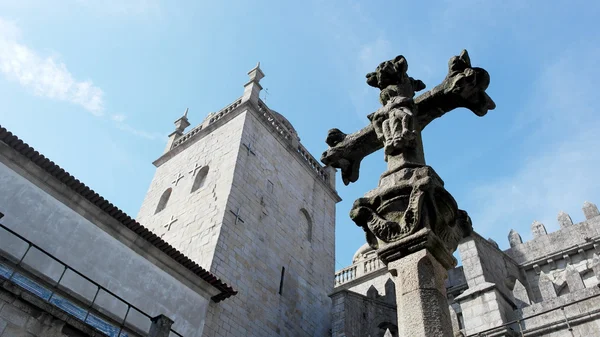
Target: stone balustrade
{"x":346,"y":275}
{"x":357,"y":270}
{"x":265,"y":112}
{"x":225,"y":110}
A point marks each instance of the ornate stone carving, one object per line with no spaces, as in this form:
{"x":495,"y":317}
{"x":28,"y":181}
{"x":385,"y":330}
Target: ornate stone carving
{"x":410,"y":197}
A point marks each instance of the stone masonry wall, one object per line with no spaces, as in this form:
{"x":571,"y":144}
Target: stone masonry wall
{"x":274,"y":192}
{"x":198,"y":214}
{"x":75,"y":240}
{"x":355,"y":315}
{"x":18,"y":318}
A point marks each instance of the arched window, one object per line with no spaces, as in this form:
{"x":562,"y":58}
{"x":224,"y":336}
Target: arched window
{"x":200,"y":179}
{"x":309,"y":224}
{"x":164,"y":199}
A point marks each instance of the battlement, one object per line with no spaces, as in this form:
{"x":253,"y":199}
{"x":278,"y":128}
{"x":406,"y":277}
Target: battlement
{"x":570,"y":237}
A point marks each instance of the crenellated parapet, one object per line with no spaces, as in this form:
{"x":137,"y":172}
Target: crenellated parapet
{"x":539,"y":231}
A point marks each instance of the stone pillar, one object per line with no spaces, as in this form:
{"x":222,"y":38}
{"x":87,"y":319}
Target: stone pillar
{"x":418,"y":265}
{"x":161,"y":326}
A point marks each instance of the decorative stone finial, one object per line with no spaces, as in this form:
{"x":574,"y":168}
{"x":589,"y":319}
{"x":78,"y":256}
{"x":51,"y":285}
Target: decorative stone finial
{"x":252,"y":88}
{"x":256,"y":73}
{"x":180,"y":124}
{"x":514,"y":238}
{"x":538,"y":229}
{"x":590,"y":210}
{"x":564,"y":220}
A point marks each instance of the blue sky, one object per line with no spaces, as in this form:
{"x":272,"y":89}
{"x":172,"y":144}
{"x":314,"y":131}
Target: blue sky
{"x":96,"y":86}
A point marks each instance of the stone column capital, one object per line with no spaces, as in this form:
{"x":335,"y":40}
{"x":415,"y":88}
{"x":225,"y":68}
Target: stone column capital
{"x":422,"y":239}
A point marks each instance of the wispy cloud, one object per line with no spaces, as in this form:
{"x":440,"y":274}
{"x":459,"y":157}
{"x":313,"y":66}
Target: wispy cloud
{"x":47,"y":77}
{"x":121,"y":125}
{"x":561,"y":171}
{"x":44,"y":76}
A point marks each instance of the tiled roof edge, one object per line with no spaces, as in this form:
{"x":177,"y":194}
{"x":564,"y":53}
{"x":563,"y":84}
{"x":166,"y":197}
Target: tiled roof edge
{"x":80,"y":188}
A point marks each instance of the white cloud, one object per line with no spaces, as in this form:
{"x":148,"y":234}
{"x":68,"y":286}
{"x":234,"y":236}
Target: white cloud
{"x":562,"y":170}
{"x":139,"y":133}
{"x":44,"y":76}
{"x":118,"y":118}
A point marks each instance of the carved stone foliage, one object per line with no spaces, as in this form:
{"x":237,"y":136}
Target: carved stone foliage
{"x":416,"y":200}
{"x":410,"y":196}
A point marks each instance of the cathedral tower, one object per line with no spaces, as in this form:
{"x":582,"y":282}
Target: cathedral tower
{"x":242,"y":197}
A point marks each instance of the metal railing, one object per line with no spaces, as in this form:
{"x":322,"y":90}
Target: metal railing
{"x":66,"y":299}
{"x":524,"y":331}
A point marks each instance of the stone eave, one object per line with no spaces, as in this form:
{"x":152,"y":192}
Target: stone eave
{"x":54,"y":180}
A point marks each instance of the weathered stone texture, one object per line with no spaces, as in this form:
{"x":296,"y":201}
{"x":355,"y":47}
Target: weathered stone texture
{"x":564,"y":219}
{"x":355,"y":315}
{"x":246,"y":224}
{"x":88,"y":248}
{"x":21,"y":319}
{"x":590,"y":210}
{"x":198,"y":214}
{"x":275,"y":234}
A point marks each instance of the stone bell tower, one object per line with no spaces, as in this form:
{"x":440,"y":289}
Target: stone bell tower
{"x":241,"y":196}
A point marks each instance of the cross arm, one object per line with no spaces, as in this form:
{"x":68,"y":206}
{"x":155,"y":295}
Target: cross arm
{"x":464,"y":86}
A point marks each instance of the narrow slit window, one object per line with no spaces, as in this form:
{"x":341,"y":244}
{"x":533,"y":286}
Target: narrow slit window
{"x":308,"y":223}
{"x":281,"y":280}
{"x":164,"y":199}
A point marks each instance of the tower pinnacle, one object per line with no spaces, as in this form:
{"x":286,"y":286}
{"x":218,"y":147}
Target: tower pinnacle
{"x":252,"y":88}
{"x":180,"y":124}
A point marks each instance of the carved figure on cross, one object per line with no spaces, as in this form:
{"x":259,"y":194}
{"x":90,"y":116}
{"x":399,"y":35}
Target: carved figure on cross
{"x":410,"y":196}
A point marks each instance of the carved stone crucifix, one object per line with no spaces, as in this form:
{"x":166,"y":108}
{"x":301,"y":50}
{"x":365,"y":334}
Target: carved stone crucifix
{"x":410,"y":219}
{"x":409,"y":187}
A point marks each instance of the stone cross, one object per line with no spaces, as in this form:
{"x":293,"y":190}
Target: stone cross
{"x":237,"y":216}
{"x":410,"y":219}
{"x":171,"y":221}
{"x":177,"y":179}
{"x":249,"y":148}
{"x":195,"y":169}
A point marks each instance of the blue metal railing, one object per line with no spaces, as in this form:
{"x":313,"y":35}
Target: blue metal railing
{"x":88,"y":314}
